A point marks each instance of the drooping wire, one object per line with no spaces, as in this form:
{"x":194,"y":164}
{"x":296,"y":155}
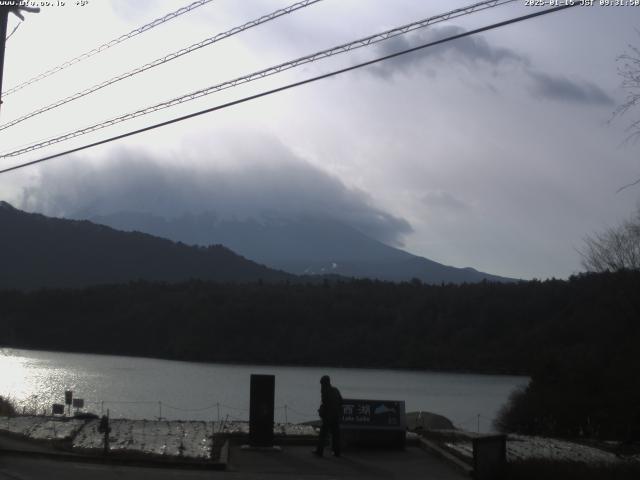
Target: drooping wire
{"x":295,"y":84}
{"x":162,"y":60}
{"x":363,"y":42}
{"x":107,"y":45}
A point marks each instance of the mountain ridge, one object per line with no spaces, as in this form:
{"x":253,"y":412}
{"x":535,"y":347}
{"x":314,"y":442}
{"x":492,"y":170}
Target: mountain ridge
{"x":301,"y":246}
{"x":38,"y":251}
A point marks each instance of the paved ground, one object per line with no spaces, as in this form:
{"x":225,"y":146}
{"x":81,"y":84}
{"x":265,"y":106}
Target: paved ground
{"x":293,"y":462}
{"x":298,"y":462}
{"x":22,"y":445}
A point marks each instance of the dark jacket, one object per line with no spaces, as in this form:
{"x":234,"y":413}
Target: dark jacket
{"x":331,"y":407}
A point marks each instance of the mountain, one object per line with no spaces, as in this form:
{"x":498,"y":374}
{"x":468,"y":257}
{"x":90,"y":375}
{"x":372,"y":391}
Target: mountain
{"x":302,"y":245}
{"x":38,"y":251}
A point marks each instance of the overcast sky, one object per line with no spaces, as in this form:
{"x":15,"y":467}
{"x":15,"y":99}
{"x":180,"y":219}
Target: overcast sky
{"x":493,"y":151}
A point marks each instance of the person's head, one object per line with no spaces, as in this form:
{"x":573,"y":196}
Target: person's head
{"x":325,"y":381}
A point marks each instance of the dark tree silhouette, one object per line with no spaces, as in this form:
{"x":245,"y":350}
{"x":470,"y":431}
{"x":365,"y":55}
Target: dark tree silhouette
{"x":617,"y":248}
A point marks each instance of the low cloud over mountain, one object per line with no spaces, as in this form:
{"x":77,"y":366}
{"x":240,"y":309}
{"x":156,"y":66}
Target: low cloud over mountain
{"x":248,"y":184}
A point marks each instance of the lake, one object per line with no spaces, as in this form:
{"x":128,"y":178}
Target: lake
{"x":132,"y":387}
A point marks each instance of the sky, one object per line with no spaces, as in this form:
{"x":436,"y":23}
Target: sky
{"x":497,"y":151}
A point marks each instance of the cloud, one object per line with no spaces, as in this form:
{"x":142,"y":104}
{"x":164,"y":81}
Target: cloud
{"x":475,"y":50}
{"x":266,"y":181}
{"x":444,"y":200}
{"x":469,"y":51}
{"x":561,"y":88}
{"x":138,"y":10}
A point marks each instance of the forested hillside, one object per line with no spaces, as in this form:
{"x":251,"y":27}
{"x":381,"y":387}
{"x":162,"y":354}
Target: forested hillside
{"x":38,"y":251}
{"x":481,"y":327}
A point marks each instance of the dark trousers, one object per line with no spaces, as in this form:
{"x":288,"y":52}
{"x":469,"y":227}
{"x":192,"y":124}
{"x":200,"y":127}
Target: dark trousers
{"x":332,"y":426}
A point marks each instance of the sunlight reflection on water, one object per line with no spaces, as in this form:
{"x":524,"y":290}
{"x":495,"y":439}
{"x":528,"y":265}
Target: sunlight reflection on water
{"x":147,"y":388}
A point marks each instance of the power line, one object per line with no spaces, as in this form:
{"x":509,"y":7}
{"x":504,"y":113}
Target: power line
{"x":162,"y":60}
{"x":13,"y":31}
{"x":109,"y":44}
{"x":363,"y":42}
{"x":295,"y":84}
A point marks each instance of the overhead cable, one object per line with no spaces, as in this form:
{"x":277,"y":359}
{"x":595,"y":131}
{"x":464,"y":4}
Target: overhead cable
{"x":13,"y":31}
{"x":347,"y":47}
{"x":167,"y":58}
{"x":293,"y":85}
{"x":109,"y":44}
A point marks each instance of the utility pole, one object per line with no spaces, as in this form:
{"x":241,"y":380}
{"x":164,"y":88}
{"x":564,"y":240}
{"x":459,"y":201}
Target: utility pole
{"x":14,"y":7}
{"x":4,"y":19}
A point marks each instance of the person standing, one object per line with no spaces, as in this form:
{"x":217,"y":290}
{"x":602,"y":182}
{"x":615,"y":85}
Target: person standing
{"x":330,"y":412}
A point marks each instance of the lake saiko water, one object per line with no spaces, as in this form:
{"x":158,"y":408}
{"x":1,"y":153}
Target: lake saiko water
{"x":131,"y":387}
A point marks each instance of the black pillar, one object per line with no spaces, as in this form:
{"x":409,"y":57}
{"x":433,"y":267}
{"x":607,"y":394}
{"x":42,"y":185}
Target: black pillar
{"x":489,"y":457}
{"x":262,"y":395}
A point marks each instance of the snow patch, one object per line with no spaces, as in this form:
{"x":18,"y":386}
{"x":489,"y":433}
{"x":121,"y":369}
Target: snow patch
{"x":42,"y":428}
{"x":186,"y":439}
{"x":521,"y":447}
{"x":175,"y":438}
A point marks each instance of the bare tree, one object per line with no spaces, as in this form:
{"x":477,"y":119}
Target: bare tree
{"x":629,"y":70}
{"x":617,"y":248}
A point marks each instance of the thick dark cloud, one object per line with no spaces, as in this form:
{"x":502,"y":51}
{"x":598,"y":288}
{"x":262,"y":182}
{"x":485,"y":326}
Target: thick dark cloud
{"x":132,"y":181}
{"x":475,"y":50}
{"x":467,"y":50}
{"x":560,"y":88}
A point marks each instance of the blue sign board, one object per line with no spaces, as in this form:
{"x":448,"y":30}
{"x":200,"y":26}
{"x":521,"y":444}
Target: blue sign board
{"x":373,"y":413}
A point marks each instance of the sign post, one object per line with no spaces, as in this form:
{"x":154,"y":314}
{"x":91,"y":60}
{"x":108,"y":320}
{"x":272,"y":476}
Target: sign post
{"x":105,"y":429}
{"x":77,"y":404}
{"x":374,"y":422}
{"x":68,"y":399}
